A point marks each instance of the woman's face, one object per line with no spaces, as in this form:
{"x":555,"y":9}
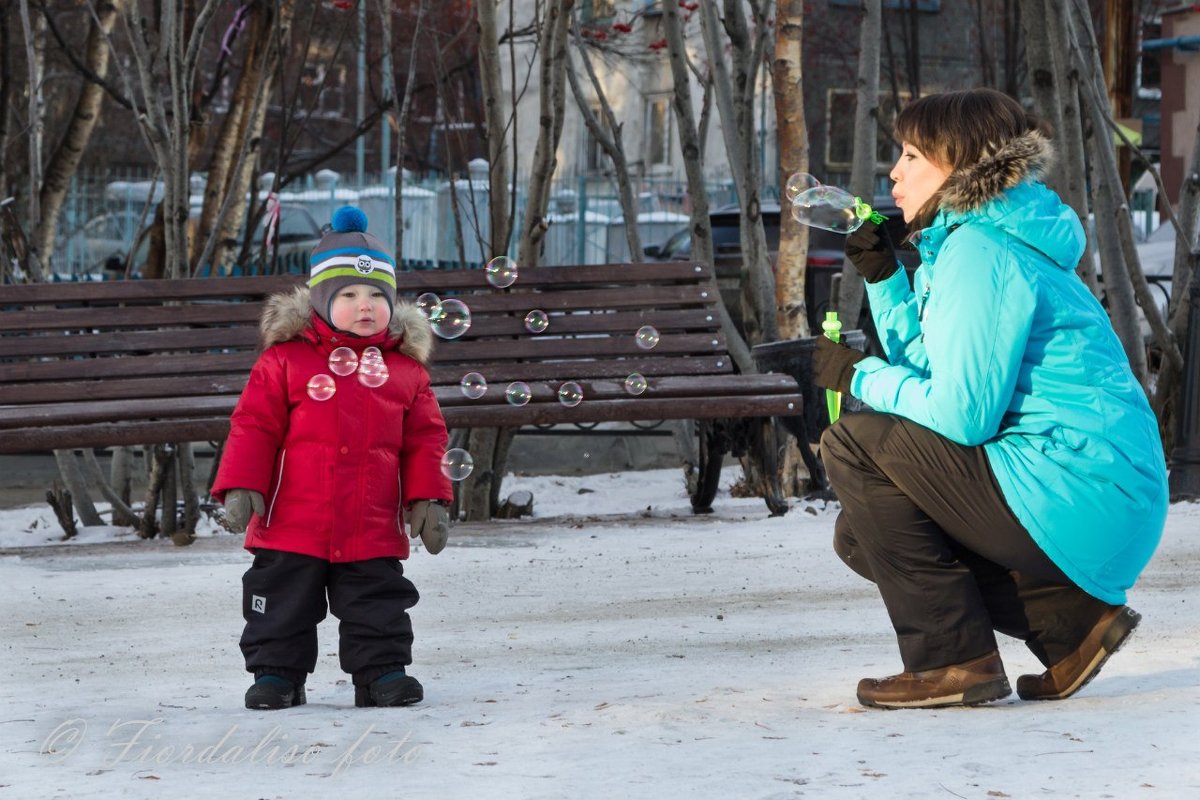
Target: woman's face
{"x":916,"y":179}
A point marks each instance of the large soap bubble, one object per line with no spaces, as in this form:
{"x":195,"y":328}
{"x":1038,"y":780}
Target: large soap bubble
{"x":457,"y":464}
{"x":501,"y":272}
{"x":450,"y":319}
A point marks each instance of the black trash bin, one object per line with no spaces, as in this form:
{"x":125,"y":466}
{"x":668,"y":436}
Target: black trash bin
{"x":794,"y":357}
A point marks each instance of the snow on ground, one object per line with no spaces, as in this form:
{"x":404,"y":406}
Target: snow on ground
{"x":614,"y":646}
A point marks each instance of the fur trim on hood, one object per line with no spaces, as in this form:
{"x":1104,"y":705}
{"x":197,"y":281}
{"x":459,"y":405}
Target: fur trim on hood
{"x":287,"y":314}
{"x":1027,"y":156}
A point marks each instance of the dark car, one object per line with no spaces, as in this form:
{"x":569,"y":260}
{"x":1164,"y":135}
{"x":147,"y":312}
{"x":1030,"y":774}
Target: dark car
{"x":825,"y":253}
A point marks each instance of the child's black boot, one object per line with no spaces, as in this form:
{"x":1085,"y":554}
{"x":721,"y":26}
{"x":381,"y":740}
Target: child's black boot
{"x":395,"y":688}
{"x":271,"y":692}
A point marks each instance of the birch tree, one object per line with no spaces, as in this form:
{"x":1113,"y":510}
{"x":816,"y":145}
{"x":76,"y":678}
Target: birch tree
{"x":792,"y":136}
{"x":235,"y":152}
{"x":68,"y":153}
{"x":734,"y":85}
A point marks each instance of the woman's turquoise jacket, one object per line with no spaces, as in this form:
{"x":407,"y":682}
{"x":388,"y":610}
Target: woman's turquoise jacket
{"x":1001,"y":344}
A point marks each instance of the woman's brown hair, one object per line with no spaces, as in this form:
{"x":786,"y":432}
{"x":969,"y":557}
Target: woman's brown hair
{"x":959,"y":129}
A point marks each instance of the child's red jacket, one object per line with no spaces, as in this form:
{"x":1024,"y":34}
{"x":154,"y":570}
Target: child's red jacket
{"x":335,"y":473}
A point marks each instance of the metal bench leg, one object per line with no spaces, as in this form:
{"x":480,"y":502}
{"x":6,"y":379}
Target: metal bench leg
{"x":708,"y":471}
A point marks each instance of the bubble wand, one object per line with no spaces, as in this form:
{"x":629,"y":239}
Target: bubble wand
{"x":827,"y":207}
{"x":832,"y":327}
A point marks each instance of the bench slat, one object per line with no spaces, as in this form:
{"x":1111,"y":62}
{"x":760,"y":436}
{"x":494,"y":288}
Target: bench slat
{"x":98,"y":317}
{"x":155,"y":341}
{"x":112,"y":367}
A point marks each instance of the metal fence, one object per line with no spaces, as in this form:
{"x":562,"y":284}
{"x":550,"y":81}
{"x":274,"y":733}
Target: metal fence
{"x":445,"y":223}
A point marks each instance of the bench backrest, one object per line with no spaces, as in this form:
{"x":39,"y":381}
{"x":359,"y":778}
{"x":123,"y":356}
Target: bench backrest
{"x":130,"y":362}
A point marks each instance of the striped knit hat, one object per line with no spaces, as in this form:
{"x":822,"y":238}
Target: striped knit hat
{"x":349,"y":255}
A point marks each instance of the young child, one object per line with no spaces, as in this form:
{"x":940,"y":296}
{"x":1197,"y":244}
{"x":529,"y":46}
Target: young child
{"x":335,"y":432}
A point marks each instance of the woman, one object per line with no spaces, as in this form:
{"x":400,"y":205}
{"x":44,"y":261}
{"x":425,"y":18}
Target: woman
{"x":1012,"y":477}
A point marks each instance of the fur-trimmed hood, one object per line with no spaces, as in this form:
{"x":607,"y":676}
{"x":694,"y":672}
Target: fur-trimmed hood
{"x":1027,"y":156}
{"x":286,"y":315}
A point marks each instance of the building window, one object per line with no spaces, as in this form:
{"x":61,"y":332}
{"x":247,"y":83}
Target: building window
{"x":839,"y":133}
{"x":597,"y":11}
{"x":1149,"y":78}
{"x":658,"y":131}
{"x":597,"y":159}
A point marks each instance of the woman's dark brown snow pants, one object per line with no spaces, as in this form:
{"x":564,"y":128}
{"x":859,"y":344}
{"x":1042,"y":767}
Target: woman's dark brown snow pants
{"x":923,"y":517}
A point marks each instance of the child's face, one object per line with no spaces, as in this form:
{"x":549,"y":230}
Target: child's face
{"x":360,"y":308}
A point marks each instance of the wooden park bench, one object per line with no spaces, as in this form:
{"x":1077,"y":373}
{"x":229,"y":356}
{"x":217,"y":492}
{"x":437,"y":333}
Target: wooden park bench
{"x":149,"y":362}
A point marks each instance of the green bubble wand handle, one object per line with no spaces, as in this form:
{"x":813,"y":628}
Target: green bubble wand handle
{"x":864,"y":211}
{"x":832,"y":328}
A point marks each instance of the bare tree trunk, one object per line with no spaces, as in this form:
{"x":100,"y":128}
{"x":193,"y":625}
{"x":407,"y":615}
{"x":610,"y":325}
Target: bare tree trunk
{"x":862,"y":170}
{"x":792,"y":136}
{"x":66,"y":157}
{"x":6,"y":93}
{"x":1187,"y":245}
{"x":122,"y":514}
{"x":550,"y":120}
{"x":72,"y":476}
{"x":1107,"y":196}
{"x":1044,"y":82}
{"x":33,"y":64}
{"x":609,"y":136}
{"x":689,"y":144}
{"x":191,"y":506}
{"x":170,"y":51}
{"x":161,"y":463}
{"x":499,"y":215}
{"x":402,"y":119}
{"x":734,"y":95}
{"x":480,"y":492}
{"x":1071,"y":175}
{"x":121,"y":480}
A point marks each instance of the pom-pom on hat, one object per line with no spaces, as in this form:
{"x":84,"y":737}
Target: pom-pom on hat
{"x":348,"y":255}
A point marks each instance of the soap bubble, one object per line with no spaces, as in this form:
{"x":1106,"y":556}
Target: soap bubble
{"x":501,"y":272}
{"x":451,"y":319}
{"x":372,"y":354}
{"x":342,"y":361}
{"x":372,"y":374}
{"x":635,"y":383}
{"x":427,"y":302}
{"x":321,"y":387}
{"x":537,"y":321}
{"x":570,"y":394}
{"x":518,"y":393}
{"x":473,"y":385}
{"x":457,"y":464}
{"x":828,"y":208}
{"x":797,"y":183}
{"x":646,"y":337}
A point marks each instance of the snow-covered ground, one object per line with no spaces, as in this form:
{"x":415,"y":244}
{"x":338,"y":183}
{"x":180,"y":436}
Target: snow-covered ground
{"x":614,"y":646}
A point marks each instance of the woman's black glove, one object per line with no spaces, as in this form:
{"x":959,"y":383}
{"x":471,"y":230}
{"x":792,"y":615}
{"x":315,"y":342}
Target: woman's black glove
{"x":833,"y":364}
{"x":870,"y":250}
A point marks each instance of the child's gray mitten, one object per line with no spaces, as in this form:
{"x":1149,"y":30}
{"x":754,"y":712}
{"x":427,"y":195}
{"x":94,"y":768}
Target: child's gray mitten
{"x":431,"y":521}
{"x":239,"y":503}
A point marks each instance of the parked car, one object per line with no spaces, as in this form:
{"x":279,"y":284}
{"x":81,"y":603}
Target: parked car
{"x":825,"y":253}
{"x":103,"y":243}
